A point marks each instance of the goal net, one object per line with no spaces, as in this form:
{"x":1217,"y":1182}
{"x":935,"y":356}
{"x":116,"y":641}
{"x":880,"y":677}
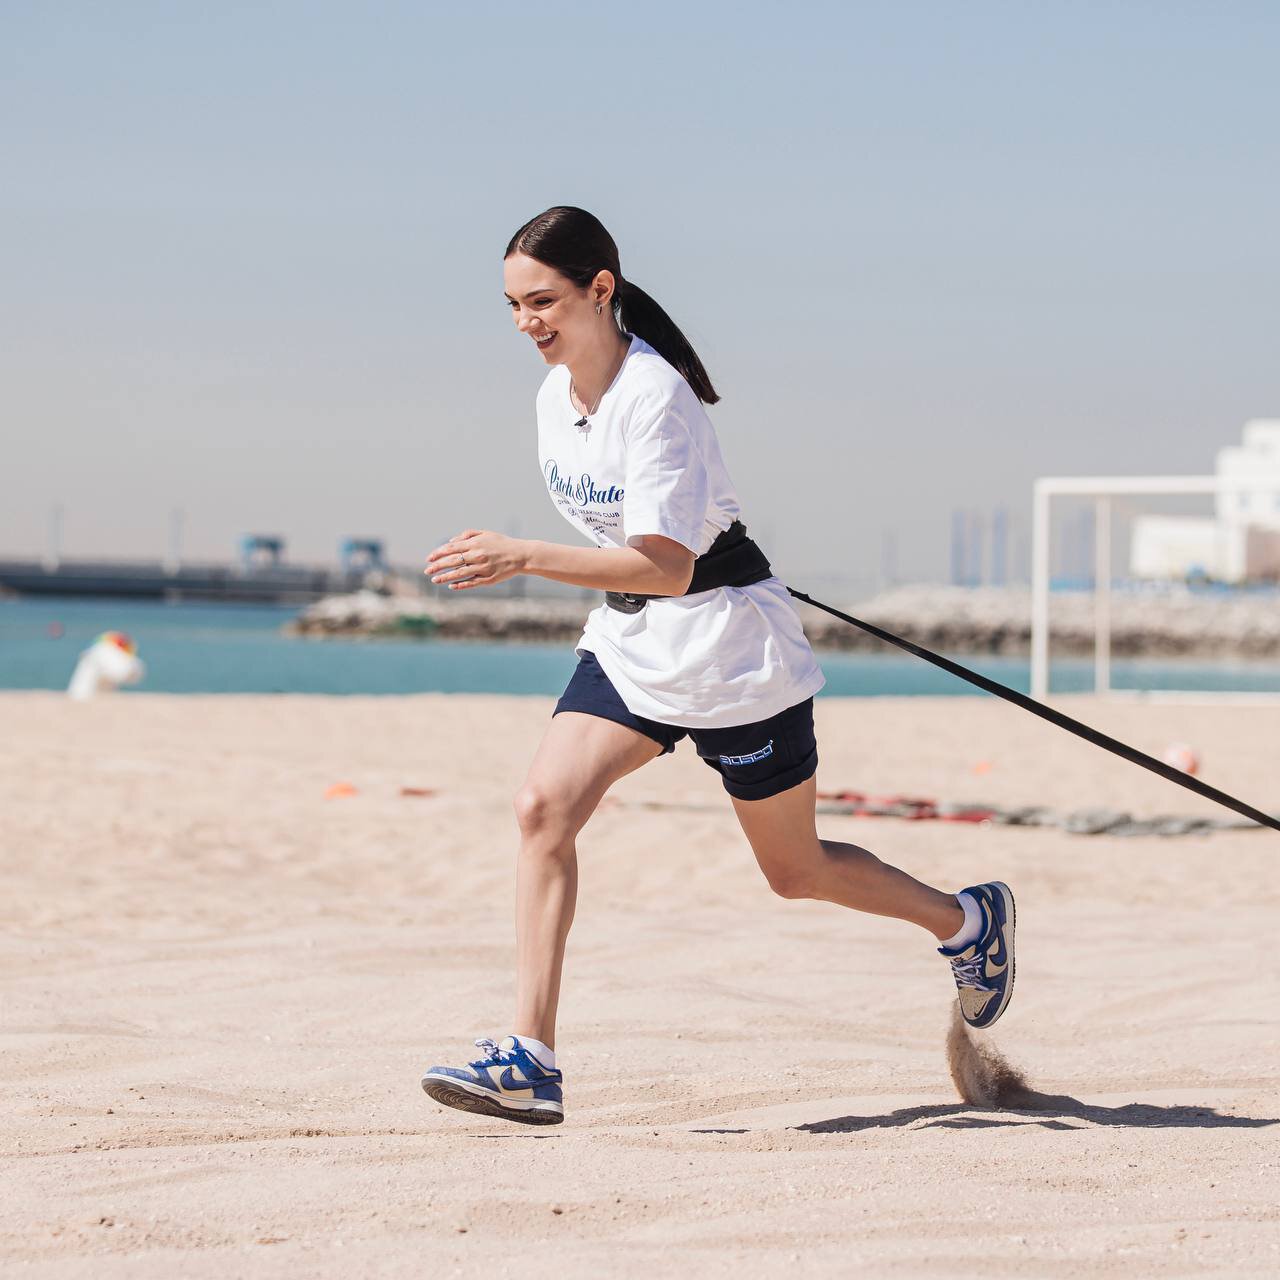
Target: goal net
{"x":1214,"y":561}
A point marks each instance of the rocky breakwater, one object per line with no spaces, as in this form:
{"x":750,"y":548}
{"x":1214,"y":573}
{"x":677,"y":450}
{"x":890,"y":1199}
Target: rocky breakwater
{"x":1169,"y":623}
{"x":469,"y":616}
{"x":1164,"y":624}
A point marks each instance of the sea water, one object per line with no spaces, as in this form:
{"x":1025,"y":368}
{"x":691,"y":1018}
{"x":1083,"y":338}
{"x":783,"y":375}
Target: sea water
{"x":221,"y":648}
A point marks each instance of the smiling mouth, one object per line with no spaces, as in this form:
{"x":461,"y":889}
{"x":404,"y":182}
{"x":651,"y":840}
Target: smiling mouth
{"x":546,"y":340}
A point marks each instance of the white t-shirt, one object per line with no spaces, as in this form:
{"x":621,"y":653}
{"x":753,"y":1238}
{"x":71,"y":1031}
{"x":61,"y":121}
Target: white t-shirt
{"x":650,"y":464}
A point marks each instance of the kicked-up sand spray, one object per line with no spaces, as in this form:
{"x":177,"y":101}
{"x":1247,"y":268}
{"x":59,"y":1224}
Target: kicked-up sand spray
{"x":983,"y":1076}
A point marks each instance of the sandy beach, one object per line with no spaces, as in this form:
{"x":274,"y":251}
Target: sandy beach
{"x":220,"y":989}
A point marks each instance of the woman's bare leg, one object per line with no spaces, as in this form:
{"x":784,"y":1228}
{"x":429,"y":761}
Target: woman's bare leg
{"x":782,"y":831}
{"x":579,"y":759}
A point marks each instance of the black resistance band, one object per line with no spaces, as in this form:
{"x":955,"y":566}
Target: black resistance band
{"x":1054,"y":717}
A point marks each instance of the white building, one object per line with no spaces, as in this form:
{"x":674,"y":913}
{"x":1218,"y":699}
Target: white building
{"x":1241,"y":541}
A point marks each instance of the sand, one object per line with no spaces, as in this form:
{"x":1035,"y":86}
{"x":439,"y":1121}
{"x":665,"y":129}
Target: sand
{"x":220,"y":989}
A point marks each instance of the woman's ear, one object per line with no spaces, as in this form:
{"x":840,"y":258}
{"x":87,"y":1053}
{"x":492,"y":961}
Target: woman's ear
{"x":602,"y":288}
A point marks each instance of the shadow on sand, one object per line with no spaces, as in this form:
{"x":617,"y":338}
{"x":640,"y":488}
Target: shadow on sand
{"x":1050,"y":1111}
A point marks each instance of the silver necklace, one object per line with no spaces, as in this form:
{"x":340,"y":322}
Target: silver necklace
{"x":582,"y":424}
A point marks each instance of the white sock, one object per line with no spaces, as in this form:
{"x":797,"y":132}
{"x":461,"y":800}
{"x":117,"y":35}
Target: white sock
{"x":540,"y":1051}
{"x":971,"y":930}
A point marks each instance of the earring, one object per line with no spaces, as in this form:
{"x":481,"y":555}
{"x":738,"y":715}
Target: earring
{"x":599,"y":308}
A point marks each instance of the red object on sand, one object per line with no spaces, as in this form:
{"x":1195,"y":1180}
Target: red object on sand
{"x":912,"y":808}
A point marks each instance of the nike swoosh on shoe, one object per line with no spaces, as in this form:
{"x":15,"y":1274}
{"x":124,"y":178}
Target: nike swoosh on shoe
{"x":508,"y":1083}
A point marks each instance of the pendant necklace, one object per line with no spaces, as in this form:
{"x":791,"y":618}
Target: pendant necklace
{"x":582,"y":424}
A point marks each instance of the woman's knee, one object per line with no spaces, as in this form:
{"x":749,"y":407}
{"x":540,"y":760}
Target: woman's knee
{"x":792,"y":877}
{"x":540,"y":813}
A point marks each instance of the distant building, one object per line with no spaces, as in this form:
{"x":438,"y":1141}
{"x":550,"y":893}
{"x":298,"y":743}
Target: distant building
{"x":1241,"y":541}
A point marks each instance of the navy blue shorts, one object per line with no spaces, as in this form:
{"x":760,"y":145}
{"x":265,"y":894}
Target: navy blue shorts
{"x":754,"y":761}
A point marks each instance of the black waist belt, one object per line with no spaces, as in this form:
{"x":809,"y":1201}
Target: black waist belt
{"x":732,"y":560}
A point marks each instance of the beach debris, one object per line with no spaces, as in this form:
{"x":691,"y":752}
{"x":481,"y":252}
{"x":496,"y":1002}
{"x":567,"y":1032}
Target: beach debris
{"x":1093,"y":822}
{"x":344,"y":790}
{"x":1180,"y":756}
{"x":109,"y":662}
{"x":911,"y":808}
{"x":856,"y":804}
{"x":1079,"y":822}
{"x":1029,"y":815}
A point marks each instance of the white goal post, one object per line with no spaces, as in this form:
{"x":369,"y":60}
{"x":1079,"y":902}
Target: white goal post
{"x":1102,"y":489}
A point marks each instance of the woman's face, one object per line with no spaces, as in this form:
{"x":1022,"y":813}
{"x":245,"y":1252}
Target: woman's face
{"x":559,"y":317}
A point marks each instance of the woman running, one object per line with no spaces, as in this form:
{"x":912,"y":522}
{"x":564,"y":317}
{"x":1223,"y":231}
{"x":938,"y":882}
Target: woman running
{"x":695,"y":637}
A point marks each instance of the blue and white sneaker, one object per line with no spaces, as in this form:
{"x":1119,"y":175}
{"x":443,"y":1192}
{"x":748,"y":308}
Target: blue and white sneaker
{"x":984,"y":969}
{"x":508,"y":1082}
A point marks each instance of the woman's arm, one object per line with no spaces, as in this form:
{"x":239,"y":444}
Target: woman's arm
{"x":655,"y":566}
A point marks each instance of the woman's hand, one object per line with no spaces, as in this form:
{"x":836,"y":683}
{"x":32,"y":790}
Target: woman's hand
{"x":477,"y":558}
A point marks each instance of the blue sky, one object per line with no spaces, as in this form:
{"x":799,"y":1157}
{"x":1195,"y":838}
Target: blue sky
{"x":251,"y":255}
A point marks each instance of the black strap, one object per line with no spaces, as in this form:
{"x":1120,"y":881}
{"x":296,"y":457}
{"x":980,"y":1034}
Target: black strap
{"x":1132,"y":754}
{"x":732,"y":560}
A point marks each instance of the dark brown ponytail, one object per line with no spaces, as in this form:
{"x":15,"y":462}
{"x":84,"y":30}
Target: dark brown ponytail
{"x":576,"y":244}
